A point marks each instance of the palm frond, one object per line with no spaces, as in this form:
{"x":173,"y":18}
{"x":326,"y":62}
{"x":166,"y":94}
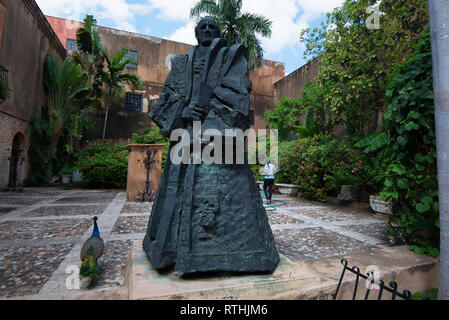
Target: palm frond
{"x":205,"y":6}
{"x":258,"y":23}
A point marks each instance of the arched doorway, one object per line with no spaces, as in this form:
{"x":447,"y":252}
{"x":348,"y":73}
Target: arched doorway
{"x":15,"y":162}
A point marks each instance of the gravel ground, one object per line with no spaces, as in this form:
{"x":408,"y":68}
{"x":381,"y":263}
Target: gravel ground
{"x":24,"y":271}
{"x":137,"y":224}
{"x":12,"y":230}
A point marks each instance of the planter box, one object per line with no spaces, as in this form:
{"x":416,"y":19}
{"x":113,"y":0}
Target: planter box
{"x":379,"y":205}
{"x":66,"y":178}
{"x":288,"y":189}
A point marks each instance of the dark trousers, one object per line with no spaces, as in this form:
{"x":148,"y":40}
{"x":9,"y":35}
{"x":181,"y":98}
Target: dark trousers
{"x":268,"y":188}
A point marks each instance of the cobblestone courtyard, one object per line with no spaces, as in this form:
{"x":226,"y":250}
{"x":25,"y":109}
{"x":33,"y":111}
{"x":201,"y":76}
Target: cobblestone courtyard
{"x":42,"y":231}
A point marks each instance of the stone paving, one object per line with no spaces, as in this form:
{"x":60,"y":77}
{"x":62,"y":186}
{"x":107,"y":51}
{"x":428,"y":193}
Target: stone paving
{"x":42,"y":230}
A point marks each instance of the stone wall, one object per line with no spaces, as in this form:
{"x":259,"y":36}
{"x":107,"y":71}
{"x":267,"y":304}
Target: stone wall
{"x":26,"y":39}
{"x":292,"y":85}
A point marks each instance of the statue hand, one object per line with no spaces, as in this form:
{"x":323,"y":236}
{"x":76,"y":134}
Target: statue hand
{"x":193,"y":112}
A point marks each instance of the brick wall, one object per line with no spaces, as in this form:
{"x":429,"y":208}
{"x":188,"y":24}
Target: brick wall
{"x":9,"y":127}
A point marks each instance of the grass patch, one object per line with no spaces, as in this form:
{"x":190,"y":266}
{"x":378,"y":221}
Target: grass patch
{"x":432,"y":294}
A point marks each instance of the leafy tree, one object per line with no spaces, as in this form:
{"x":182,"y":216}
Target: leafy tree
{"x":115,"y":78}
{"x":305,"y":117}
{"x":356,"y":61}
{"x":237,"y":27}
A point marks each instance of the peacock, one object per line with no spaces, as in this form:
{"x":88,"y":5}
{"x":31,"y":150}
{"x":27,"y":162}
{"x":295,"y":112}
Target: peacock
{"x":92,"y":249}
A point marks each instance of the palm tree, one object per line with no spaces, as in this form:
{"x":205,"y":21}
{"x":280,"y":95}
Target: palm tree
{"x":237,"y":27}
{"x":66,"y":87}
{"x":89,"y":56}
{"x":115,"y":79}
{"x":439,"y":15}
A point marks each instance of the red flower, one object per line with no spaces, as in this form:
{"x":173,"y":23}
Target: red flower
{"x":361,"y":162}
{"x":312,"y":182}
{"x":91,"y":164}
{"x":356,"y":169}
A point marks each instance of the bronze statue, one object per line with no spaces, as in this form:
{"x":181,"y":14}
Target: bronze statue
{"x":208,"y":217}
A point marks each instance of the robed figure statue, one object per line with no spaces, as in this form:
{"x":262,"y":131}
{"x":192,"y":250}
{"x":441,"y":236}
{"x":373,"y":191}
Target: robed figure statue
{"x":208,"y":217}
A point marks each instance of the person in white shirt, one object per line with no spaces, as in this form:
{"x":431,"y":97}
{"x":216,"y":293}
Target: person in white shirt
{"x":269,"y":180}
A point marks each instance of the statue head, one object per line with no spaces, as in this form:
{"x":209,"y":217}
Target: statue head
{"x":206,"y":31}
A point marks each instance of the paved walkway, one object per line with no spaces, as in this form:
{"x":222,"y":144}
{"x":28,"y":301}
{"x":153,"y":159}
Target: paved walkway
{"x":42,"y":231}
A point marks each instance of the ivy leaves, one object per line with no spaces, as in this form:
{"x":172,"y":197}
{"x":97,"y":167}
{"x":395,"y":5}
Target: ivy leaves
{"x":408,"y":150}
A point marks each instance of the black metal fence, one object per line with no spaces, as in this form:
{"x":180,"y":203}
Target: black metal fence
{"x":391,"y":289}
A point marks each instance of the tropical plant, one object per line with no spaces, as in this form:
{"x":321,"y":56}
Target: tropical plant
{"x":115,"y":78}
{"x":89,"y":57}
{"x":406,"y":150}
{"x":65,"y":87}
{"x":237,"y":27}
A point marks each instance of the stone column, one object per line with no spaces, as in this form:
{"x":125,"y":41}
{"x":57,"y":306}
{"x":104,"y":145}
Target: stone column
{"x":137,"y":172}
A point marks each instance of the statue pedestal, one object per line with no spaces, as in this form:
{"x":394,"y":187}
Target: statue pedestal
{"x":137,"y":170}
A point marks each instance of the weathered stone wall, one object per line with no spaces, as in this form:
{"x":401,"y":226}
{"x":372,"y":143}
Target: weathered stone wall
{"x":26,"y":39}
{"x":292,"y":85}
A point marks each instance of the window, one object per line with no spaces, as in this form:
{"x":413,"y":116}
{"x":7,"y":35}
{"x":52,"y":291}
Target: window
{"x":71,"y":45}
{"x":251,"y":117}
{"x":134,"y":102}
{"x":133,"y":54}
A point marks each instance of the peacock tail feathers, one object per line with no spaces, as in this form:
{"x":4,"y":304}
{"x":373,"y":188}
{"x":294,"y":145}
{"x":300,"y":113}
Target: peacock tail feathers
{"x":89,"y":266}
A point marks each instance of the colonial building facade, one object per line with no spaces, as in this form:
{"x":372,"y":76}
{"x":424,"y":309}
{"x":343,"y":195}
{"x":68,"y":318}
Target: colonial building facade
{"x":26,"y":38}
{"x":153,"y":56}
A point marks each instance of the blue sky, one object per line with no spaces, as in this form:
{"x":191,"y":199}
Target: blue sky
{"x":169,"y":19}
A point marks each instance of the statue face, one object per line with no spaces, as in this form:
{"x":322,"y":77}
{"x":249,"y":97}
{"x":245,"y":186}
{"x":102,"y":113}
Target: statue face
{"x":206,"y":31}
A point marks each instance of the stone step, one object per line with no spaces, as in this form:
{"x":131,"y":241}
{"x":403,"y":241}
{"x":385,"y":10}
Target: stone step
{"x":305,"y":280}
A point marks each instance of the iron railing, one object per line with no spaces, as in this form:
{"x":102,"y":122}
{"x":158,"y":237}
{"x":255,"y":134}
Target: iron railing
{"x":392,"y":288}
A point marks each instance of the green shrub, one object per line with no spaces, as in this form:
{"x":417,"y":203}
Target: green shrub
{"x":321,"y":165}
{"x":406,"y":151}
{"x":104,"y":164}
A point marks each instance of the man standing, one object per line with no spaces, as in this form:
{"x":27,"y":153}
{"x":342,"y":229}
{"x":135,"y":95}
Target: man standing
{"x":208,"y":217}
{"x":269,"y":180}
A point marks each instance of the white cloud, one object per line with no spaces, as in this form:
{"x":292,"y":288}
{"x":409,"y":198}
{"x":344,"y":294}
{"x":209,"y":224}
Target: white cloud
{"x":288,"y":16}
{"x":119,"y":13}
{"x":185,"y":34}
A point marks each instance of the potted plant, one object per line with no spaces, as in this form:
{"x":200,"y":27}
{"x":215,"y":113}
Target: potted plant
{"x":66,"y":175}
{"x":378,"y":204}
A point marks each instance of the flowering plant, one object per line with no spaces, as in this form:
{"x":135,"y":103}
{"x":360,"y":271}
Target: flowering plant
{"x":104,"y":164}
